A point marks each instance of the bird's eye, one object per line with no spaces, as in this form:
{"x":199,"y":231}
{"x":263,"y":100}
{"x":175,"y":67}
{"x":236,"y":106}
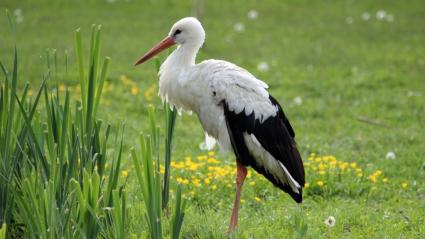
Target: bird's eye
{"x":178,"y":31}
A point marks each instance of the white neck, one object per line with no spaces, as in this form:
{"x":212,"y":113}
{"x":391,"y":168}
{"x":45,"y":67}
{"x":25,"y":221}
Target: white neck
{"x":183,"y":56}
{"x":171,"y":82}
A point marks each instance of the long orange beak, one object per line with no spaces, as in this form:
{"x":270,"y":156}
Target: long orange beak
{"x":164,"y":44}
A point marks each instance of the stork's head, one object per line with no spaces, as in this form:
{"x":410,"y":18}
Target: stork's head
{"x":187,"y":32}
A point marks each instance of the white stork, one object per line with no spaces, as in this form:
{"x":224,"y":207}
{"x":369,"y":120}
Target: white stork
{"x":233,"y":107}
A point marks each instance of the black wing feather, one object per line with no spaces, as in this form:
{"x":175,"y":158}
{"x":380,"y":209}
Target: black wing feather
{"x":276,"y":135}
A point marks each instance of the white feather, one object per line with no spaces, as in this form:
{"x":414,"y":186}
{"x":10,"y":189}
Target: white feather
{"x":269,"y":163}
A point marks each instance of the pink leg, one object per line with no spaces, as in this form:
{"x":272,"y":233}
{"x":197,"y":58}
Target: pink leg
{"x":240,"y":177}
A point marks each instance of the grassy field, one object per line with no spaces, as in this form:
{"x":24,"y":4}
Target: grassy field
{"x":349,"y":75}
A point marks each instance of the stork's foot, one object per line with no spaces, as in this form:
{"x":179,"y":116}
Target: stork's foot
{"x":240,"y":177}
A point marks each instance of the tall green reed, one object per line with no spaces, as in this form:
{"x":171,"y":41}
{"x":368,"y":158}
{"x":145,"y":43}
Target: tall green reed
{"x":147,"y":167}
{"x":170,"y":116}
{"x":63,"y":187}
{"x":11,"y":130}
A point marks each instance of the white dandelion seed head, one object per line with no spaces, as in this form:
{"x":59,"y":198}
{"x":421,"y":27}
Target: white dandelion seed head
{"x":298,"y":100}
{"x":380,"y":14}
{"x":349,"y":20}
{"x":365,"y":16}
{"x":414,"y":94}
{"x":309,"y":67}
{"x":17,"y":12}
{"x":263,"y":66}
{"x":18,"y":15}
{"x":330,"y":221}
{"x":390,"y":155}
{"x":252,"y":14}
{"x":239,"y":27}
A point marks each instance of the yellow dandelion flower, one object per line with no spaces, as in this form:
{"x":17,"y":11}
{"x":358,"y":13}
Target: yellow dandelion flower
{"x":252,"y":183}
{"x":148,"y":94}
{"x":306,"y":185}
{"x":249,"y":174}
{"x":257,"y":199}
{"x":62,"y":87}
{"x":179,"y":180}
{"x":126,"y":80}
{"x":211,"y":153}
{"x":213,"y":160}
{"x":378,"y":172}
{"x":185,"y":181}
{"x":320,"y":183}
{"x":196,"y":182}
{"x":207,"y":181}
{"x":372,"y":178}
{"x":193,"y":167}
{"x":353,"y":165}
{"x":134,"y":90}
{"x":213,"y":187}
{"x":201,"y":157}
{"x":124,"y":173}
{"x":404,"y":185}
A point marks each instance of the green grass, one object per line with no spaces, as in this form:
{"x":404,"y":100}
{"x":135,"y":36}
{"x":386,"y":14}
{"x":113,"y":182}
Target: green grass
{"x":343,"y":72}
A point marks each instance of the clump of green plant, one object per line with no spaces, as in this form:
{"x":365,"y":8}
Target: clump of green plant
{"x":54,"y":164}
{"x":147,"y":168}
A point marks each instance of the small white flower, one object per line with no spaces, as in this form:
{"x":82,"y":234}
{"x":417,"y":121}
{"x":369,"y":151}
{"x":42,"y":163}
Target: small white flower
{"x":349,"y":20}
{"x":414,"y":93}
{"x":17,"y":12}
{"x":386,"y":215}
{"x":263,"y":66}
{"x":239,"y":27}
{"x":390,"y":155}
{"x":18,"y":15}
{"x":298,"y":100}
{"x":365,"y":16}
{"x":309,"y":67}
{"x":354,"y":70}
{"x":389,"y":18}
{"x":380,"y":15}
{"x":330,"y":221}
{"x":252,"y":14}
